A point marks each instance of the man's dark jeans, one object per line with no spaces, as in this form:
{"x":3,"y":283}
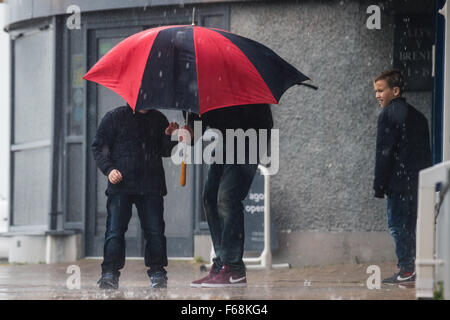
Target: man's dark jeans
{"x":402,"y":219}
{"x":226,"y":187}
{"x":150,"y":210}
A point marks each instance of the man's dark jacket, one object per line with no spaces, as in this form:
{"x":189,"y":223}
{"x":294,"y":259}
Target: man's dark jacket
{"x":402,"y":150}
{"x":245,"y":117}
{"x":133,"y":143}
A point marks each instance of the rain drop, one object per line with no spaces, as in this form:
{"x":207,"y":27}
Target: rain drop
{"x":160,"y":73}
{"x":159,"y":54}
{"x":187,"y":65}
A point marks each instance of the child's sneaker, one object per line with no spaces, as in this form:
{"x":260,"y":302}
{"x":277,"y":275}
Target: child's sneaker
{"x":226,"y":277}
{"x":198,"y":283}
{"x":109,"y":280}
{"x":401,"y":277}
{"x":158,"y":280}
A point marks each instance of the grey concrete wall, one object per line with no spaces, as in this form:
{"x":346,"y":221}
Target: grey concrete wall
{"x":40,"y":248}
{"x":310,"y":248}
{"x":327,"y":137}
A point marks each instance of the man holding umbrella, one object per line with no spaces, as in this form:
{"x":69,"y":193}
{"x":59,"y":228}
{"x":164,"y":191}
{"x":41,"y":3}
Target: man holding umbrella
{"x":128,"y":148}
{"x":226,"y":186}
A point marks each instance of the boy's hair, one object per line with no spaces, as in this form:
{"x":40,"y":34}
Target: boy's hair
{"x":393,"y":78}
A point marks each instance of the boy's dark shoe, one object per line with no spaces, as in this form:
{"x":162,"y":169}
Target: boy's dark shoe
{"x":158,"y":280}
{"x":109,"y":281}
{"x":401,"y":277}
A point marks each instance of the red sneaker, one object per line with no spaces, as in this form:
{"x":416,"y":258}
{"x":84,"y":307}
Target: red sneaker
{"x":226,"y":278}
{"x":212,"y":272}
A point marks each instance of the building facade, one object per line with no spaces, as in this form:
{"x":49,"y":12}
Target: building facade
{"x":4,"y":131}
{"x":321,"y":198}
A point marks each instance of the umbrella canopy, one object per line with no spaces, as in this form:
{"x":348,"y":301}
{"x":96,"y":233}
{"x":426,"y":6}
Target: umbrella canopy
{"x":193,"y":68}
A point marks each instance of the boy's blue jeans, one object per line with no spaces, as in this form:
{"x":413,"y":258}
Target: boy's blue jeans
{"x":226,"y":187}
{"x":402,"y":219}
{"x":150,"y":209}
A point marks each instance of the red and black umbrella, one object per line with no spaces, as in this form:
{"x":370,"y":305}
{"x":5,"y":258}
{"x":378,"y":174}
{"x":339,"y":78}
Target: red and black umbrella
{"x":193,"y":68}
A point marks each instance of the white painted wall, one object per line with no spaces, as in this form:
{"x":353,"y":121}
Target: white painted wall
{"x":4,"y":122}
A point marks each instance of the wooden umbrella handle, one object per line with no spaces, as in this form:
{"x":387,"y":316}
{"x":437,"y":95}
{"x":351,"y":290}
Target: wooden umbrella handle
{"x":183,"y":164}
{"x":183,"y":174}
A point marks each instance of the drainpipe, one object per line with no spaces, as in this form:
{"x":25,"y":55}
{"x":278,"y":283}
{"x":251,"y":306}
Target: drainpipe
{"x":446,"y":130}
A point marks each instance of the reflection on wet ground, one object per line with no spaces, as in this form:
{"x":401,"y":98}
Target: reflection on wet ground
{"x":52,"y":281}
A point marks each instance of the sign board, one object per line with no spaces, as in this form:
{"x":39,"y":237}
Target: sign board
{"x":254,"y":217}
{"x":413,"y":41}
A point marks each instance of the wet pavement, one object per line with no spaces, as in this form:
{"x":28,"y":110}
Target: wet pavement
{"x":59,"y":281}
